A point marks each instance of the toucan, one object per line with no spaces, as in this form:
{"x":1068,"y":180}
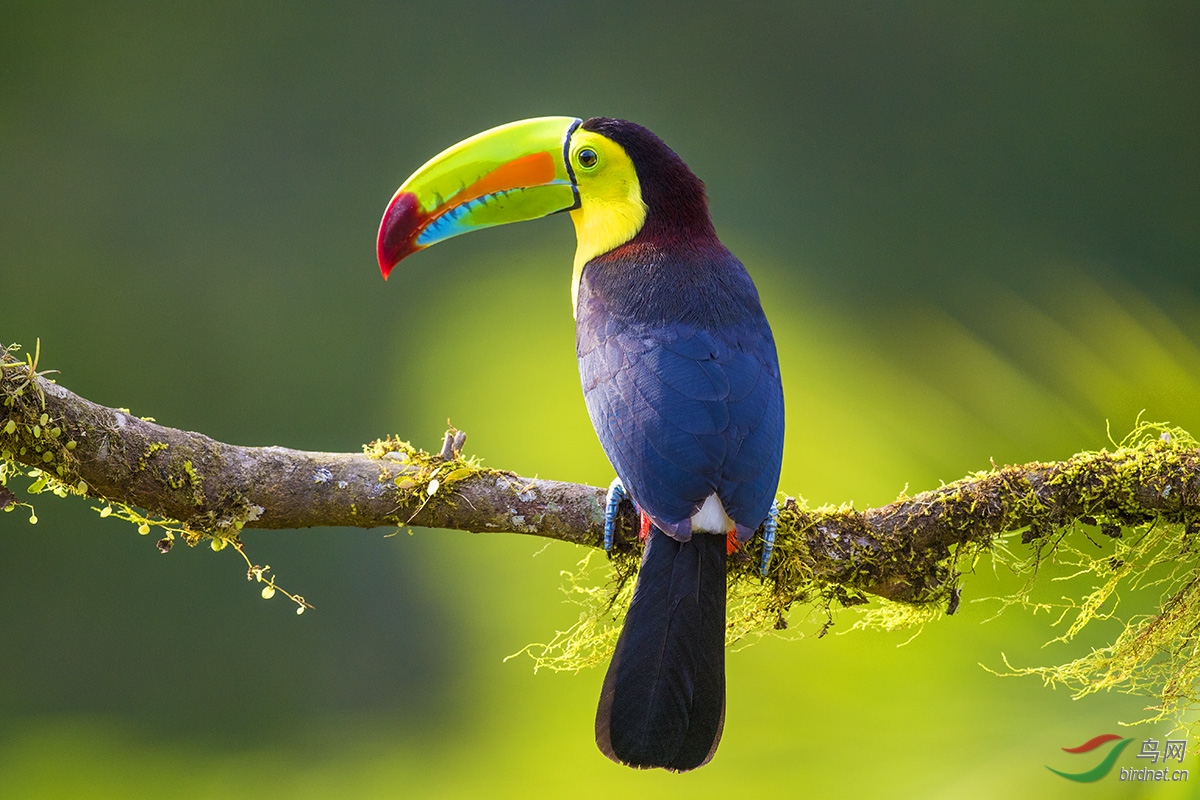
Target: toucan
{"x":680,"y":378}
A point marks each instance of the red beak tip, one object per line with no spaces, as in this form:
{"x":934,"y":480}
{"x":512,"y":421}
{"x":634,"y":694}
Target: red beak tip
{"x":398,"y":231}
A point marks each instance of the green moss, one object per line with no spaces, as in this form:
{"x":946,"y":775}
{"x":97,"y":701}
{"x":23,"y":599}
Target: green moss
{"x":417,"y":477}
{"x":193,"y":481}
{"x":590,"y":641}
{"x":151,"y":450}
{"x":26,"y":429}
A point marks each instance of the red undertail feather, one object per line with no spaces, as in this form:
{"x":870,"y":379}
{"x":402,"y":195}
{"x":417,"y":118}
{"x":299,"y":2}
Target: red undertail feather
{"x":644,"y":528}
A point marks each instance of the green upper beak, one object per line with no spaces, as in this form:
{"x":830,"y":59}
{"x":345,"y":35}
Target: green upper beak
{"x":515,"y":172}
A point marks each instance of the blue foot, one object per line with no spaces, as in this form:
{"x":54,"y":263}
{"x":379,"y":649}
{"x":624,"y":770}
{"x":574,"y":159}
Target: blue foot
{"x":768,"y":537}
{"x":616,"y":493}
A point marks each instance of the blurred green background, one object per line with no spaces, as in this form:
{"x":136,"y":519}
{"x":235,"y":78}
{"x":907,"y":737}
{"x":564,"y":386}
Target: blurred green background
{"x":975,"y":227}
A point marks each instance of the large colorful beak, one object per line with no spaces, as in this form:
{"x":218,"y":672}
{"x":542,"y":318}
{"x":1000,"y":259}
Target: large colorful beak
{"x":507,"y":174}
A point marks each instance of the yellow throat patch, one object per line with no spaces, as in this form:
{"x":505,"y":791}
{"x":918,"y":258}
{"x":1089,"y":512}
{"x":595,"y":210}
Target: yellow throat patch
{"x":611,"y":210}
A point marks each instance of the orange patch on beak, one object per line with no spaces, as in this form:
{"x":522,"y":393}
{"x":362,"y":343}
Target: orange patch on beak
{"x":534,"y":169}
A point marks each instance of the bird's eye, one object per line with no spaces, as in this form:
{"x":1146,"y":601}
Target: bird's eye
{"x":587,"y":158}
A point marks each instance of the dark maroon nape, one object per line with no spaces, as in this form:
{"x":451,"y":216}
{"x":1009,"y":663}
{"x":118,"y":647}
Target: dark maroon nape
{"x":675,"y":197}
{"x":398,"y":231}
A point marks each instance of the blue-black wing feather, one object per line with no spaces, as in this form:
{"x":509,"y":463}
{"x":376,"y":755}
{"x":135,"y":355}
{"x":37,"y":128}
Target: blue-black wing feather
{"x":684,"y":412}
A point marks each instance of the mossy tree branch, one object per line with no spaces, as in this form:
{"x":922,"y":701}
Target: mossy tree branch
{"x":902,"y":551}
{"x":907,"y":551}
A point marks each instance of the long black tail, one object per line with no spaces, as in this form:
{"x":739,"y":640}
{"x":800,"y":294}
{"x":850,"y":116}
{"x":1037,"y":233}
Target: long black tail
{"x":663,"y":701}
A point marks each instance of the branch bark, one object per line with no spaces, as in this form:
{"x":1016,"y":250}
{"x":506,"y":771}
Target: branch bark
{"x":901,"y":551}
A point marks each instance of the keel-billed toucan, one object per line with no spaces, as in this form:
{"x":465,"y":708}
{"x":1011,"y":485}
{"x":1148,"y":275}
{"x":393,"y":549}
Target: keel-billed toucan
{"x":680,"y":378}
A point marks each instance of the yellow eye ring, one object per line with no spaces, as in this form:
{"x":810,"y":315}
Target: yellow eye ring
{"x":587,"y":158}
